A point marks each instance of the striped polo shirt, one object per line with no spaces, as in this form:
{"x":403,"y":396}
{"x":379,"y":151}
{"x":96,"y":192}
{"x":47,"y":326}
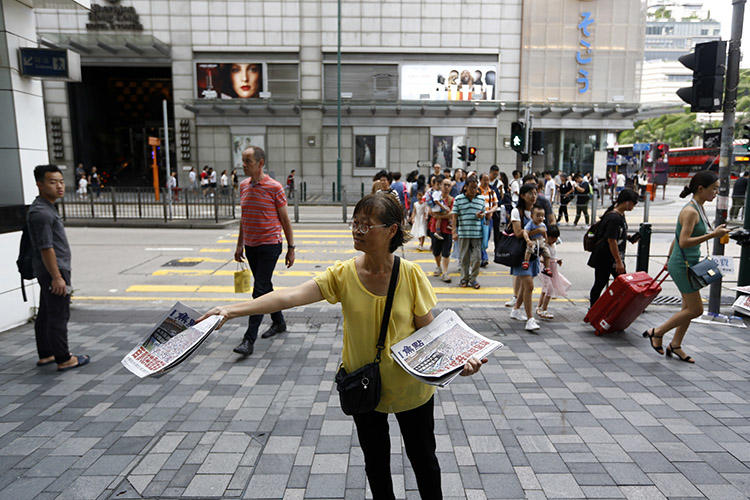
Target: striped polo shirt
{"x":469,"y":226}
{"x":260,"y":219}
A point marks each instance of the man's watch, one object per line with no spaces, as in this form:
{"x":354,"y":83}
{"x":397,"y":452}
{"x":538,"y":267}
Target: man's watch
{"x":290,"y":247}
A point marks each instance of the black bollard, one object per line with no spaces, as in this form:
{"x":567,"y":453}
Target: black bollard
{"x":644,"y":247}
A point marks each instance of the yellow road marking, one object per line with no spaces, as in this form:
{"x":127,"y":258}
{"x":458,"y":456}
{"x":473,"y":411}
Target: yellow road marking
{"x":279,"y":272}
{"x":135,"y":298}
{"x":229,"y":289}
{"x":298,"y":250}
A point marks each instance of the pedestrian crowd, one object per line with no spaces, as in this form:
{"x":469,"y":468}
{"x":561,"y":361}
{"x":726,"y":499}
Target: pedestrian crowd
{"x":383,"y":298}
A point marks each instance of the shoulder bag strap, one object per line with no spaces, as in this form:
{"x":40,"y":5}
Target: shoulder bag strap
{"x":388,"y":304}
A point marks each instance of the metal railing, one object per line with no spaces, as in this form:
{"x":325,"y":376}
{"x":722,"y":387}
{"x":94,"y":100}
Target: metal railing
{"x":140,"y":203}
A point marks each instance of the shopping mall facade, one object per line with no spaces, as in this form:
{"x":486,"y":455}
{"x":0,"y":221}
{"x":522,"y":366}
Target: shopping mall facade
{"x":417,"y":79}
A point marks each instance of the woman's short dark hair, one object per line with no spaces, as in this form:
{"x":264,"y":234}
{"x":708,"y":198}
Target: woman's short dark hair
{"x":387,"y":209}
{"x":380,"y":175}
{"x":521,"y":202}
{"x":704,"y":178}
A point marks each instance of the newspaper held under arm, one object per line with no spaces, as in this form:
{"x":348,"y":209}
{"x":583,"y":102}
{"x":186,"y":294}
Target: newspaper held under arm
{"x":437,"y":353}
{"x":173,"y":340}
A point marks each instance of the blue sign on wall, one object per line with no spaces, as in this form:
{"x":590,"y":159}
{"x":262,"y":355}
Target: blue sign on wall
{"x":639,"y":147}
{"x":49,"y":63}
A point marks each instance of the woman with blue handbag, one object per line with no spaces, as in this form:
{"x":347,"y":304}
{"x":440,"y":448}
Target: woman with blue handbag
{"x":688,"y":272}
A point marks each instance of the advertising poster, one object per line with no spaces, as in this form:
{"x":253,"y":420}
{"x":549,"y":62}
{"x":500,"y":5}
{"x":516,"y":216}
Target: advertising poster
{"x":442,"y":151}
{"x":448,"y":82}
{"x":230,"y":80}
{"x":241,"y":143}
{"x":365,"y":152}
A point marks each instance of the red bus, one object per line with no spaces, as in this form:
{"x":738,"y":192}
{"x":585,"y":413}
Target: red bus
{"x":685,"y":162}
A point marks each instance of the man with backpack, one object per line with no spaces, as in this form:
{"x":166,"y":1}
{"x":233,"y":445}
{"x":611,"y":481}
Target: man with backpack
{"x":583,"y":191}
{"x":50,"y":258}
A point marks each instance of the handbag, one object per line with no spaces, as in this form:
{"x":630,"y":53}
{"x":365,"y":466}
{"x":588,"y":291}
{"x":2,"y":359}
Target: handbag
{"x":509,"y":250}
{"x":242,"y":278}
{"x":359,"y":391}
{"x":707,"y":270}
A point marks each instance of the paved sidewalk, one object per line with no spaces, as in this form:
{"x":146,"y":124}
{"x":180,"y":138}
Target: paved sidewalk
{"x":559,"y":414}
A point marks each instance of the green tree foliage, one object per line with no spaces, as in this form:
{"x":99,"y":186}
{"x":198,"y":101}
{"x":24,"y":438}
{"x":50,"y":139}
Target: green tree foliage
{"x":681,"y":130}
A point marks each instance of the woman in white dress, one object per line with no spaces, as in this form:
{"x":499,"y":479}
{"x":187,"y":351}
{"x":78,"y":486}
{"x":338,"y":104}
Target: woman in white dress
{"x":419,"y":219}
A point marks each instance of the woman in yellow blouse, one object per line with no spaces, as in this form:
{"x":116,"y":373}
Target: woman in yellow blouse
{"x":361,"y":285}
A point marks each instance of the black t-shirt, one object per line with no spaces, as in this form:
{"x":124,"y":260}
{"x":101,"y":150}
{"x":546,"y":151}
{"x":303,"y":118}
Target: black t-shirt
{"x":564,"y":189}
{"x":583,"y":197}
{"x":612,"y":227}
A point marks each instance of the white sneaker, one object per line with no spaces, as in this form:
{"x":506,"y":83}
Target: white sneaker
{"x":518,"y":314}
{"x":437,"y":272}
{"x":531,"y":325}
{"x":511,"y":303}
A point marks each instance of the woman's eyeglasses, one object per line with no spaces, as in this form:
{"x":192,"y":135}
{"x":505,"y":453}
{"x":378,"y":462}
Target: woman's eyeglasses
{"x":363,"y":228}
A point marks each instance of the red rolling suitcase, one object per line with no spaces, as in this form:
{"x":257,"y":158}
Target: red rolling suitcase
{"x":623,"y":301}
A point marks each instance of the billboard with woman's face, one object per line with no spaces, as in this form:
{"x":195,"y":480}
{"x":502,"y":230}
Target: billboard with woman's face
{"x":229,"y":80}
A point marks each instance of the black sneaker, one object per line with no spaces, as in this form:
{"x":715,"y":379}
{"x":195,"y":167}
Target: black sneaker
{"x":273,"y":330}
{"x":245,"y":348}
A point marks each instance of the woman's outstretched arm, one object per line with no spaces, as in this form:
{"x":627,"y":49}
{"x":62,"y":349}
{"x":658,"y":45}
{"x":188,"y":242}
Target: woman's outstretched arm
{"x":278,"y":300}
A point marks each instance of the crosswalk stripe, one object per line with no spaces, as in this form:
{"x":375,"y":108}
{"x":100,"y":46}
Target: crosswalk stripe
{"x":141,"y":298}
{"x":229,"y":289}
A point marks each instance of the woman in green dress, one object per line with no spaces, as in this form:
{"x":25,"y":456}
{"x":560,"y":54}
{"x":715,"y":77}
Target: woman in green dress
{"x":692,"y":230}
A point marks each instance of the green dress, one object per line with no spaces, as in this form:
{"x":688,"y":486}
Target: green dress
{"x":676,"y":265}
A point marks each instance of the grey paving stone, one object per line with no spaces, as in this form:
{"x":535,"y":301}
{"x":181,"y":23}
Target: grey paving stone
{"x":674,"y":485}
{"x":560,"y":486}
{"x":207,"y":485}
{"x":109,"y":465}
{"x":220,"y":463}
{"x":266,"y":486}
{"x":86,"y":487}
{"x":25,"y":488}
{"x":326,"y":486}
{"x":627,"y":474}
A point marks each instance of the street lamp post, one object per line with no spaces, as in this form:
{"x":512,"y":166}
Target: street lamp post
{"x":338,"y":107}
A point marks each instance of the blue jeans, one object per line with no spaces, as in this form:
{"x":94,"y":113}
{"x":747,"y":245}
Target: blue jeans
{"x":486,"y":230}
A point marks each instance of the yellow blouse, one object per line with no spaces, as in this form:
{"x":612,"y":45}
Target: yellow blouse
{"x":363,"y":313}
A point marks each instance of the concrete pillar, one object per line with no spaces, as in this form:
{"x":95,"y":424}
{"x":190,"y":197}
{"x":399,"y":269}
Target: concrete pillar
{"x":561,"y":152}
{"x":310,"y":169}
{"x":23,"y":145}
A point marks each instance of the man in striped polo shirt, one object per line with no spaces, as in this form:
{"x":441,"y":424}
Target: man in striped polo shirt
{"x":264,"y":216}
{"x":468,"y":212}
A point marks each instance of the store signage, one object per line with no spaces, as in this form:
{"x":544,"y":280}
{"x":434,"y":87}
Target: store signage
{"x":238,"y":80}
{"x":447,"y":82}
{"x":113,"y":18}
{"x":583,"y":56}
{"x":50,"y":64}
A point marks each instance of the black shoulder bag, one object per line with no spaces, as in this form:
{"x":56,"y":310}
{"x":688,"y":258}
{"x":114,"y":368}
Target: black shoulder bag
{"x":359,"y":391}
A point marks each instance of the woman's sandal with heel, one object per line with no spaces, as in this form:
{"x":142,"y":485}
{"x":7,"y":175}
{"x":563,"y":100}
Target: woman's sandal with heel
{"x":651,"y":336}
{"x":671,"y":350}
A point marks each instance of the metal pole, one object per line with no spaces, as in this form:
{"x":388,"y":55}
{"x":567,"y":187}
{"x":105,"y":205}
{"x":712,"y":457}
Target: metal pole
{"x":297,"y":193}
{"x":166,"y":151}
{"x":646,"y":204}
{"x":727,"y":139}
{"x":343,"y":205}
{"x":338,"y":103}
{"x":527,"y":135}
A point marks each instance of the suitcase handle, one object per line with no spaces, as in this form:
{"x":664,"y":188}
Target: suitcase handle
{"x":662,"y":271}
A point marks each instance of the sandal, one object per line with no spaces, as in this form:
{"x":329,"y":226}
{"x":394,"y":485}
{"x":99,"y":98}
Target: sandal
{"x":45,"y":363}
{"x":463,"y":284}
{"x":474,"y":285}
{"x":671,"y":350}
{"x":651,"y":338}
{"x":82,"y":360}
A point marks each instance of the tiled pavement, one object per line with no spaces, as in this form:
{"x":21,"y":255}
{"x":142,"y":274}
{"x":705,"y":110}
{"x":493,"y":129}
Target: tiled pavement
{"x":561,"y":414}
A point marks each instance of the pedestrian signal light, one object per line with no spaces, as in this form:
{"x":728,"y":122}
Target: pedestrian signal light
{"x":472,"y":153}
{"x":517,"y":137}
{"x":462,"y":153}
{"x":708,"y":63}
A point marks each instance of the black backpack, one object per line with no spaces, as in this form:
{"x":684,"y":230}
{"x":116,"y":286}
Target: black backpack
{"x":25,"y":252}
{"x":591,"y":236}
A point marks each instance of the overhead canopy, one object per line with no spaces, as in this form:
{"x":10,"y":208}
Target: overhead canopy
{"x":104,"y":47}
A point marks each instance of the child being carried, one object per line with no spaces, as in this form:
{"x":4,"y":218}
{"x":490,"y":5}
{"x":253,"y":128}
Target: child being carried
{"x":535,"y":233}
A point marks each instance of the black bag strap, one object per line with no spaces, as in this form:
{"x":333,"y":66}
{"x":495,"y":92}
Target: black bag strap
{"x":704,"y":218}
{"x":388,"y":304}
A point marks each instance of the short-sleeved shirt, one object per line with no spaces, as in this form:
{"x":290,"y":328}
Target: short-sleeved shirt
{"x":582,"y":198}
{"x":260,"y":218}
{"x":363,"y":313}
{"x":46,"y":230}
{"x":612,"y":226}
{"x":466,"y":210}
{"x":530,"y":226}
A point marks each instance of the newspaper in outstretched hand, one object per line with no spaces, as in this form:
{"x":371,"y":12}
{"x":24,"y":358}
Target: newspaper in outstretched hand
{"x":175,"y":338}
{"x":436,"y":354}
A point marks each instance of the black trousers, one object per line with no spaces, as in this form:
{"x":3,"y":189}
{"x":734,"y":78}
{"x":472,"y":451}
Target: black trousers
{"x":262,"y":261}
{"x":563,"y":211}
{"x":418,"y":430}
{"x":602,"y":273}
{"x":582,"y":209}
{"x":51,"y":325}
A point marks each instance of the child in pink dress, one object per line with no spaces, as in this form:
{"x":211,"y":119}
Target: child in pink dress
{"x":554,"y":285}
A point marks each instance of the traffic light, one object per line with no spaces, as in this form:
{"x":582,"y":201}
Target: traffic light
{"x":472,"y":153}
{"x":518,"y":137}
{"x":708,"y":62}
{"x":462,"y":153}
